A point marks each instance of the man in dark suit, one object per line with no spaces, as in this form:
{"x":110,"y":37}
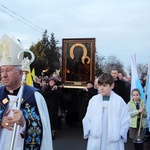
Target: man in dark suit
{"x":127,"y":85}
{"x":119,"y":87}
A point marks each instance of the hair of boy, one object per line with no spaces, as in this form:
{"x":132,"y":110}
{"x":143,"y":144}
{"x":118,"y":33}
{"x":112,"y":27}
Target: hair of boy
{"x":106,"y":78}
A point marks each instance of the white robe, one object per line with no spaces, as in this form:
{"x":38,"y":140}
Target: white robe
{"x":5,"y":135}
{"x":103,"y":133}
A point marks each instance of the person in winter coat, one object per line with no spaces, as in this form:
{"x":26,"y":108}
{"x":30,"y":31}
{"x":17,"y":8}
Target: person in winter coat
{"x":52,"y":94}
{"x":136,"y":107}
{"x":84,"y":96}
{"x":119,"y":86}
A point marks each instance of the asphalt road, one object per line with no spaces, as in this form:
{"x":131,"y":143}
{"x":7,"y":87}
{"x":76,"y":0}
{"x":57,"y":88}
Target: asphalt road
{"x":72,"y":139}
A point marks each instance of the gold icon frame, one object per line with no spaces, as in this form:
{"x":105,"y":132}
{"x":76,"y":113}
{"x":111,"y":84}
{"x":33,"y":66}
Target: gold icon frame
{"x":78,"y":61}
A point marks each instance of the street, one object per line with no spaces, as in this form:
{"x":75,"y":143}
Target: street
{"x":72,"y":139}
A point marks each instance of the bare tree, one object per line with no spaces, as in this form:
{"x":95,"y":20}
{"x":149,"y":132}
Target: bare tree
{"x":112,"y":62}
{"x":99,"y":63}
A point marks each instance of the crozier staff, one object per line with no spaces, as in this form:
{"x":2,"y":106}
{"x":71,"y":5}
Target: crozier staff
{"x":33,"y":118}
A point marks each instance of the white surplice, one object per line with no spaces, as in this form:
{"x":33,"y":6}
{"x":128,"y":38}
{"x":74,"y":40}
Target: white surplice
{"x":5,"y":135}
{"x":106,"y":123}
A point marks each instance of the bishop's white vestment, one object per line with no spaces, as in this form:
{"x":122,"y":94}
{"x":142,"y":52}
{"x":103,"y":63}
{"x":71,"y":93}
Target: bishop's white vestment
{"x":5,"y":135}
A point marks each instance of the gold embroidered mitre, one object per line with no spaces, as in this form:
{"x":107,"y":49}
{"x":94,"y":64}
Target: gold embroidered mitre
{"x":9,"y":50}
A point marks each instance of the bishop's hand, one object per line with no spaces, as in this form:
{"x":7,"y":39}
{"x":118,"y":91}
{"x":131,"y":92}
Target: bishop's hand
{"x":18,"y":117}
{"x":7,"y":122}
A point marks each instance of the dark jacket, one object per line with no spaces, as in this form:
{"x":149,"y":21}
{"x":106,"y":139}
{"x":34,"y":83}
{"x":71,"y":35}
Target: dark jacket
{"x":84,"y":98}
{"x":53,"y":99}
{"x":120,"y":88}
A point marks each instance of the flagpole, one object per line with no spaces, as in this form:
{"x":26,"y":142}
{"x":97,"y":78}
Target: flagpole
{"x":135,"y":81}
{"x":139,"y":130}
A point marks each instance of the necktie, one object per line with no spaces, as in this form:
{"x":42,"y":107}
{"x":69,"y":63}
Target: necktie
{"x":137,"y":106}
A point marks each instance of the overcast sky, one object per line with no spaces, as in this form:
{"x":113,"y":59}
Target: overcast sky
{"x":121,"y":27}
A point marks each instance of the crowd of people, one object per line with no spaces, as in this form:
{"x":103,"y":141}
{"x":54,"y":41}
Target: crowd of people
{"x":104,"y":108}
{"x":74,"y":103}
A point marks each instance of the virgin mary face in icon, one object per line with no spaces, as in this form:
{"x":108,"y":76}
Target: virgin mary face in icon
{"x":76,"y":63}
